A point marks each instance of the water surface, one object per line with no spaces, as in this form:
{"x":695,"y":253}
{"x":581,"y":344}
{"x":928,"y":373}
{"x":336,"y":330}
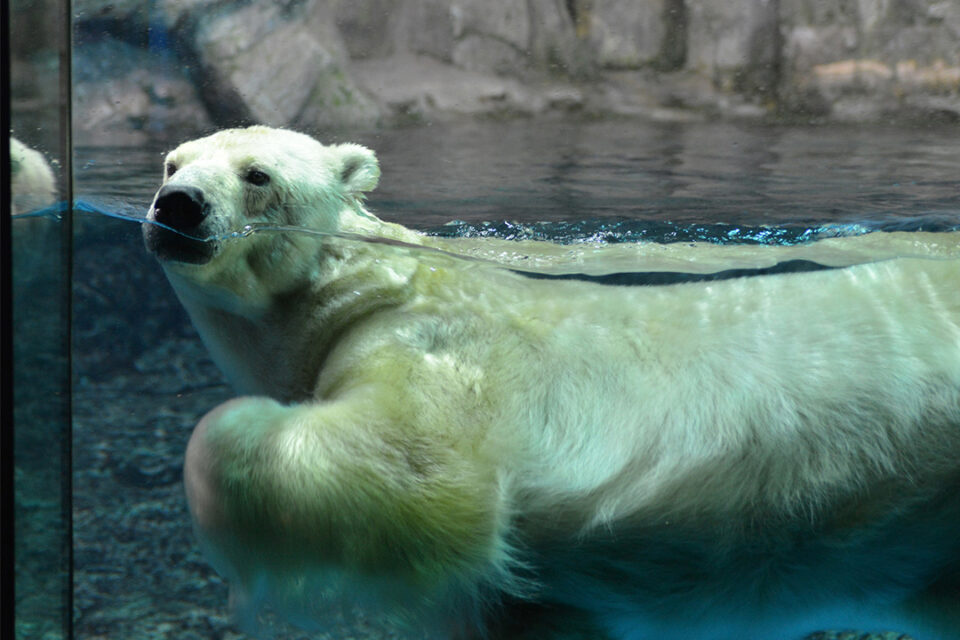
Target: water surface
{"x":531,"y":171}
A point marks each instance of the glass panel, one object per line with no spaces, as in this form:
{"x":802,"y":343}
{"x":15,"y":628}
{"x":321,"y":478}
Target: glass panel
{"x":673,"y":198}
{"x":41,"y":257}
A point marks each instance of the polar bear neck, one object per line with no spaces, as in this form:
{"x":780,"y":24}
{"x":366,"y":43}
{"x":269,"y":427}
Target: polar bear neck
{"x":260,"y":346}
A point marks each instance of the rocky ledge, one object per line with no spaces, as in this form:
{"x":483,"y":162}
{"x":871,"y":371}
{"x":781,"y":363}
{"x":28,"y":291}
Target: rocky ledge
{"x":188,"y":65}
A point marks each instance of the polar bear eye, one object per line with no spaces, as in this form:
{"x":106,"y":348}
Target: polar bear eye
{"x":259,"y":178}
{"x":170,"y":168}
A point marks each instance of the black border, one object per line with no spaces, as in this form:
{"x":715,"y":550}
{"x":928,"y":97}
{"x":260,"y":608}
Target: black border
{"x":7,"y":595}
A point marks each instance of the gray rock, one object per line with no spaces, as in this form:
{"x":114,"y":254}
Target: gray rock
{"x":735,"y":42}
{"x":821,"y":12}
{"x":555,"y":45}
{"x":279,"y":65}
{"x":291,"y":62}
{"x":124,"y":95}
{"x":681,"y":96}
{"x":504,"y":20}
{"x":472,"y":34}
{"x":427,"y":27}
{"x":872,"y":59}
{"x":422,"y":87}
{"x":485,"y":53}
{"x":805,"y":46}
{"x":367,"y":27}
{"x":625,"y":33}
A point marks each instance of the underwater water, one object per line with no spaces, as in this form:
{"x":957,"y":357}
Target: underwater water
{"x":142,"y":378}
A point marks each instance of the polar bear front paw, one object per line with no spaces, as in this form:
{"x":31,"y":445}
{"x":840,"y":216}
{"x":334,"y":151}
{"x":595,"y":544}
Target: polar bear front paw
{"x":237,"y":419}
{"x":314,"y":505}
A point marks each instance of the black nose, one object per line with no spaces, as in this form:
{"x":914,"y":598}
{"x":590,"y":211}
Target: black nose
{"x":181,"y":208}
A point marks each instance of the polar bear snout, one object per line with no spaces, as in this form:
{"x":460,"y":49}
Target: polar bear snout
{"x":180,"y":213}
{"x":180,"y":207}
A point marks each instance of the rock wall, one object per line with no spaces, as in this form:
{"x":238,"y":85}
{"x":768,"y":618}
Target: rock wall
{"x":316,"y":64}
{"x":864,"y":59}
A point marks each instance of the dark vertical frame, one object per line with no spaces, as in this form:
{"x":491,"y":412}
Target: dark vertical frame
{"x":37,"y":275}
{"x":66,"y":295}
{"x":7,"y":593}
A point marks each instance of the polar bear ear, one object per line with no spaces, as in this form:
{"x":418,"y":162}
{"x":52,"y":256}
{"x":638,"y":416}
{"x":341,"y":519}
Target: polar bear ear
{"x":359,"y":169}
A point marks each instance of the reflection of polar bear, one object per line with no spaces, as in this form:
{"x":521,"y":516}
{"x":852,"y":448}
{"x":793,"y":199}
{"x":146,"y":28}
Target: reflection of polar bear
{"x":470,"y":448}
{"x":31,"y":179}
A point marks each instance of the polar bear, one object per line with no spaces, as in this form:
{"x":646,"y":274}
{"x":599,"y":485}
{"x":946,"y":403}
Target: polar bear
{"x":484,"y":454}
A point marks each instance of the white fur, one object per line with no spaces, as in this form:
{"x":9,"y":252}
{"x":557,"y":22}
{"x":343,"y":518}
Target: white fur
{"x":753,"y":458}
{"x":31,"y":179}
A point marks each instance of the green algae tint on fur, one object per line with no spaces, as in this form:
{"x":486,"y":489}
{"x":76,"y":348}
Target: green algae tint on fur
{"x":452,"y":443}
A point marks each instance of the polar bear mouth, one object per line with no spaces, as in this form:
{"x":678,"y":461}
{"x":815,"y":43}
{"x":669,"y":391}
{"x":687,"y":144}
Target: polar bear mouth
{"x":179,"y":231}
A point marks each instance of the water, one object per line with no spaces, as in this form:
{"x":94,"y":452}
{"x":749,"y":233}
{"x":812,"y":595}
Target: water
{"x":528,"y":171}
{"x":142,"y":379}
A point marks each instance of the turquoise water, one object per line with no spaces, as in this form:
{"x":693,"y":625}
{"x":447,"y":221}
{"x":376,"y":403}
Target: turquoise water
{"x":142,"y":379}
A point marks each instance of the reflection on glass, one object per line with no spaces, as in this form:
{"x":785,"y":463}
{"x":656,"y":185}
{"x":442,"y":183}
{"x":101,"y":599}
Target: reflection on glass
{"x":40,"y":246}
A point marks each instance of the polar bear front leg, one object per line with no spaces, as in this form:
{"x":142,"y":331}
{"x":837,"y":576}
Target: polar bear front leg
{"x":336,"y":498}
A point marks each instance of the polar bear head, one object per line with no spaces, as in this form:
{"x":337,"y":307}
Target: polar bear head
{"x":219,"y":185}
